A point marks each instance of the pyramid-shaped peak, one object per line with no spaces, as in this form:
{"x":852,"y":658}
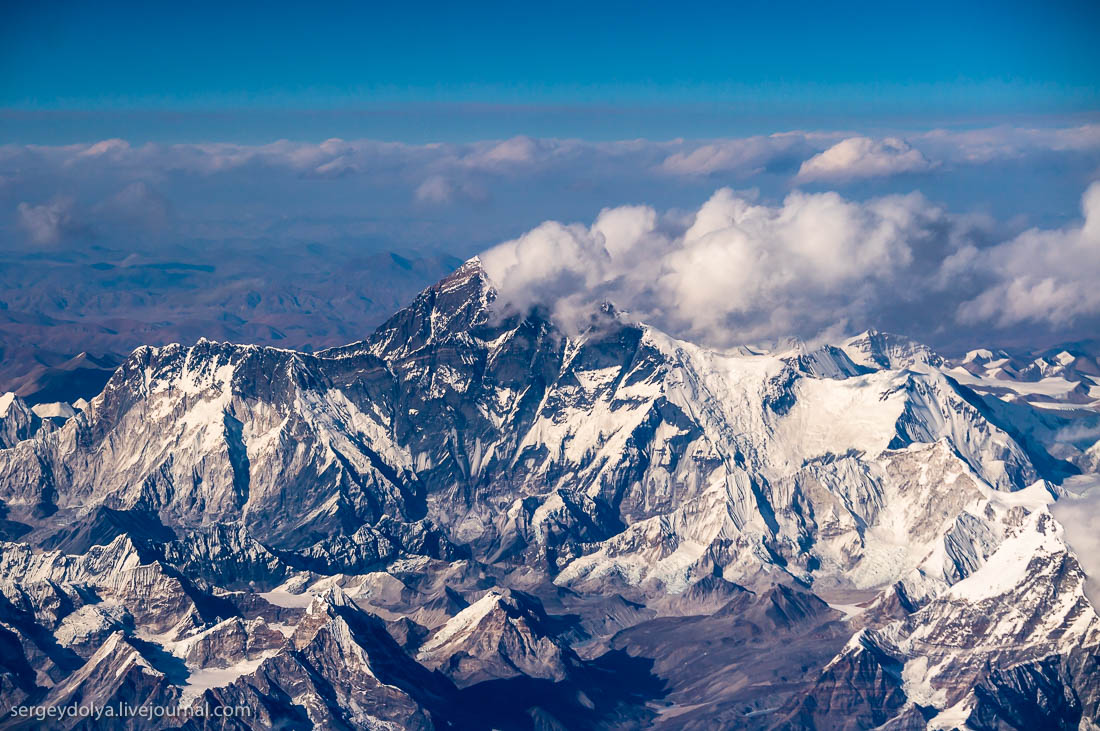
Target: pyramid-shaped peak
{"x":881,"y":350}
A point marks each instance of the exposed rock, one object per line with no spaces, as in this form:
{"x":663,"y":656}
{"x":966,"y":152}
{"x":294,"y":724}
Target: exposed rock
{"x":471,"y":520}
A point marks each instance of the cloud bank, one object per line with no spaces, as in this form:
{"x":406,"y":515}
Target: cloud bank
{"x":796,"y":157}
{"x":827,"y":227}
{"x":1041,"y":276}
{"x":737,"y":271}
{"x":742,"y":156}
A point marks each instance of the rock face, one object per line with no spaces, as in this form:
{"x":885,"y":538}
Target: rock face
{"x":18,"y":421}
{"x":500,"y":636}
{"x":476,"y":520}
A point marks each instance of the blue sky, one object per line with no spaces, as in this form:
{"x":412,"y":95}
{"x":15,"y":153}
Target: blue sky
{"x":464,"y":71}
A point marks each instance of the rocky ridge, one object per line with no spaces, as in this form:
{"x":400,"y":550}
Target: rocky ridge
{"x":475,"y":520}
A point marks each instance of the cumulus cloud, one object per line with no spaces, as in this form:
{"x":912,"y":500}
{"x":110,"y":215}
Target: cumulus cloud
{"x":863,"y":157}
{"x":47,"y":223}
{"x":1047,"y":276}
{"x":736,"y":271}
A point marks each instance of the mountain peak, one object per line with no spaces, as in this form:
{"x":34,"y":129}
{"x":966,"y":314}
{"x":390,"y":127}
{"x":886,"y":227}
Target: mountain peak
{"x":879,"y":350}
{"x":609,"y":488}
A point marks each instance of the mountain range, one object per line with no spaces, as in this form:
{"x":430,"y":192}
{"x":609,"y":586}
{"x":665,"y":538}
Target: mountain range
{"x":69,"y":316}
{"x":474,"y":519}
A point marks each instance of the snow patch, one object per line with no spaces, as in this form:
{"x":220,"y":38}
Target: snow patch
{"x":287,"y":600}
{"x":204,"y":679}
{"x":1007,"y":568}
{"x":55,"y":410}
{"x":849,"y":610}
{"x":464,"y":621}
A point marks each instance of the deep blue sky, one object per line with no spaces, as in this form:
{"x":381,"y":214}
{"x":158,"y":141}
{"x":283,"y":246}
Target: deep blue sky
{"x":457,"y":71}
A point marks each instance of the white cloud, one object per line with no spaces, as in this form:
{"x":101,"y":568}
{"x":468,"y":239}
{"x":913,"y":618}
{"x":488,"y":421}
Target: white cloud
{"x":337,"y":167}
{"x":758,"y":269}
{"x":737,"y":155}
{"x":46,"y":224}
{"x":824,"y":155}
{"x":1050,"y":276}
{"x":863,"y":157}
{"x":514,"y":151}
{"x":737,"y":271}
{"x":106,"y":147}
{"x":442,"y":190}
{"x":135,"y":210}
{"x":1080,"y":515}
{"x":979,"y":146}
{"x":436,"y":189}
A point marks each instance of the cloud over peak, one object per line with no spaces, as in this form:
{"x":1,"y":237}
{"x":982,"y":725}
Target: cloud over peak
{"x":738,"y":271}
{"x":863,"y":157}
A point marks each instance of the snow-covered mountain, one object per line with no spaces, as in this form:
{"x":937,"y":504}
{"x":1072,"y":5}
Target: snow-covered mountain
{"x":1062,"y":378}
{"x":477,"y":520}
